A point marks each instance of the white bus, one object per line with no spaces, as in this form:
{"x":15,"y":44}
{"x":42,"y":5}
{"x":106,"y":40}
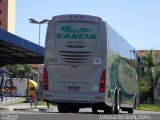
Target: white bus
{"x":87,"y":64}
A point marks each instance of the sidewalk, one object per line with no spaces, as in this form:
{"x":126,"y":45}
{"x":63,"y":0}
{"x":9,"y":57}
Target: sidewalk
{"x":27,"y":107}
{"x":11,"y":100}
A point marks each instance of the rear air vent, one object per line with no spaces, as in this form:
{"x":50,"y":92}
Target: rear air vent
{"x":75,"y":56}
{"x":76,"y":52}
{"x":75,"y":46}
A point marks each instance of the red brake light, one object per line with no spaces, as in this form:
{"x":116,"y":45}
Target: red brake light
{"x":102,"y":89}
{"x":45,"y":79}
{"x":102,"y":81}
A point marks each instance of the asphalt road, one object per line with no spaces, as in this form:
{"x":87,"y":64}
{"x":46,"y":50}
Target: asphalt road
{"x":20,"y":109}
{"x":85,"y":114}
{"x":25,"y":112}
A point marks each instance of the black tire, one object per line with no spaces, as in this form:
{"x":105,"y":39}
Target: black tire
{"x":75,"y":109}
{"x":109,"y":110}
{"x":130,"y":110}
{"x":135,"y":102}
{"x":64,"y":108}
{"x":116,"y":109}
{"x":117,"y":103}
{"x":94,"y":110}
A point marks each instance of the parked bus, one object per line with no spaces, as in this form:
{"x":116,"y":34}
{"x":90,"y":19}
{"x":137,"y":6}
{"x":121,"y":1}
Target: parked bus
{"x":87,"y":64}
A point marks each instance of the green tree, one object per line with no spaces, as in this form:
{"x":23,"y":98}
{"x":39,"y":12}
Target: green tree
{"x":143,"y":86}
{"x":151,"y":73}
{"x":21,"y":70}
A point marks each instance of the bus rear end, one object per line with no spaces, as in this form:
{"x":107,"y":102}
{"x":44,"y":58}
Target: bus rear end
{"x":75,"y":62}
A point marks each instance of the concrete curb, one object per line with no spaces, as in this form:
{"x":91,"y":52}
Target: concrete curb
{"x":20,"y":108}
{"x":5,"y":108}
{"x":35,"y":109}
{"x":48,"y":109}
{"x":32,"y":110}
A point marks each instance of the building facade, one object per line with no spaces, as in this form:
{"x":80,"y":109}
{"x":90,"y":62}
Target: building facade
{"x":7,"y":15}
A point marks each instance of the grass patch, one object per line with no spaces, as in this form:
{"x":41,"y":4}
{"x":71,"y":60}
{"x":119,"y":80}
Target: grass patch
{"x":149,"y":107}
{"x":14,"y":103}
{"x":42,"y":103}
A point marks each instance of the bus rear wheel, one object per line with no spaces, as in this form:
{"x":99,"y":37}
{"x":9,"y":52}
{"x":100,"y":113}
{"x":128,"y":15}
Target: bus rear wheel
{"x":109,"y":110}
{"x":130,"y":110}
{"x":117,"y":103}
{"x":64,"y":108}
{"x":75,"y":109}
{"x":94,"y":109}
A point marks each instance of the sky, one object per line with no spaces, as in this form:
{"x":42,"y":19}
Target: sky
{"x":137,"y":21}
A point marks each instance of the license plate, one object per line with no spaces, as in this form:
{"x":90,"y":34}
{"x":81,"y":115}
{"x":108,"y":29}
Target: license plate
{"x":71,"y":88}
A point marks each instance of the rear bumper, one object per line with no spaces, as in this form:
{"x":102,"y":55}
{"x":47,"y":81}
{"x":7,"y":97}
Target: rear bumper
{"x":80,"y":104}
{"x":74,"y":97}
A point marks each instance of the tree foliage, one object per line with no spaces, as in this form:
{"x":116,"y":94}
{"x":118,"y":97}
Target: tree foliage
{"x":143,"y":86}
{"x":21,"y":70}
{"x":151,"y":74}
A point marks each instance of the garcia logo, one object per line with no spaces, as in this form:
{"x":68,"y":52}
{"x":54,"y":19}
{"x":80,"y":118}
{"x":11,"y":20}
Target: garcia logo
{"x":73,"y":32}
{"x":74,"y":29}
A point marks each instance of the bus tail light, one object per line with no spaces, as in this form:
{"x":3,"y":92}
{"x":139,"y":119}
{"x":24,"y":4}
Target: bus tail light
{"x":102,"y":82}
{"x":45,"y":79}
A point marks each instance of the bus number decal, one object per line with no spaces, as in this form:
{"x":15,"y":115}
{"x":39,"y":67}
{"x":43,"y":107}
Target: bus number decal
{"x":51,"y":60}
